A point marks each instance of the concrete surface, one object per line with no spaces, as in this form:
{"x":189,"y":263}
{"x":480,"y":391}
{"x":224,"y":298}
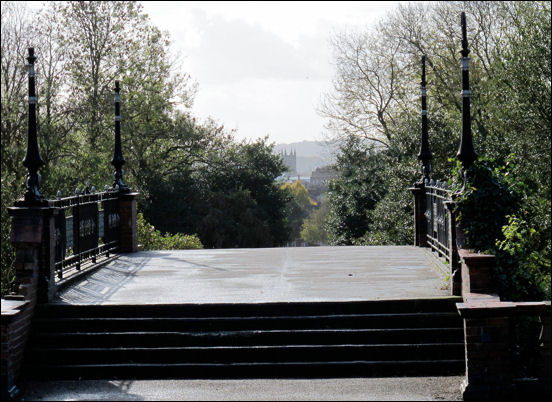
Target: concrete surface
{"x":368,"y":389}
{"x":263,"y":275}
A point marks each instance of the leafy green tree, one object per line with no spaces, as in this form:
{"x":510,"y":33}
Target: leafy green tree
{"x":373,"y":98}
{"x":228,"y":196}
{"x":298,"y":208}
{"x":313,"y":230}
{"x":356,"y":189}
{"x":194,"y":170}
{"x":16,"y":36}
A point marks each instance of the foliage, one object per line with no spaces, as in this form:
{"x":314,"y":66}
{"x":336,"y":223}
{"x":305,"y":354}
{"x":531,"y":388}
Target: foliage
{"x":313,"y":229}
{"x":505,"y":206}
{"x":356,"y":190}
{"x":483,"y":200}
{"x":229,"y":198}
{"x":300,"y":194}
{"x":298,"y":207}
{"x":501,"y":216}
{"x":193,"y":177}
{"x":8,"y":253}
{"x":151,"y":239}
{"x":524,"y":264}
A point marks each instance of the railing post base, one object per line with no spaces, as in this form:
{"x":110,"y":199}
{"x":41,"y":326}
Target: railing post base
{"x":418,"y":191}
{"x":33,"y":237}
{"x":476,"y":272}
{"x":455,"y":266}
{"x":128,"y":228}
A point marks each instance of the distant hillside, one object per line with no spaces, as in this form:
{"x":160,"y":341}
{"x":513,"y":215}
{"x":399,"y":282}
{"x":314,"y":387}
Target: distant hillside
{"x":310,"y":154}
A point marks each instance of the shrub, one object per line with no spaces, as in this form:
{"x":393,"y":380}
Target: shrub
{"x":152,"y":239}
{"x":499,"y":216}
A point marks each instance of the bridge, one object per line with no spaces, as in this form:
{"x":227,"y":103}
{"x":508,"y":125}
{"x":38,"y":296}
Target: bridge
{"x":88,"y":303}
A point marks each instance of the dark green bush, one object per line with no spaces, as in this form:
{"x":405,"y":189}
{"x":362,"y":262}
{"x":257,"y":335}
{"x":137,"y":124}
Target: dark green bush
{"x":151,"y":239}
{"x":499,"y":216}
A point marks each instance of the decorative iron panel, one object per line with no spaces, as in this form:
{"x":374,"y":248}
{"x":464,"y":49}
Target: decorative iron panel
{"x":437,"y":222}
{"x":85,"y":226}
{"x":110,"y":220}
{"x":88,"y":232}
{"x":61,"y":237}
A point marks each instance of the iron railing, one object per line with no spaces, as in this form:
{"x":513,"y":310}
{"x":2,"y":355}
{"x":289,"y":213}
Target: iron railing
{"x":86,"y":227}
{"x":438,"y":230}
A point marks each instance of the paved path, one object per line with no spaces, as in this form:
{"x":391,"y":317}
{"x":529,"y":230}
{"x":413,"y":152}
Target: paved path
{"x":263,"y":275}
{"x":344,"y":389}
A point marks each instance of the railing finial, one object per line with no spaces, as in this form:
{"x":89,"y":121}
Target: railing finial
{"x":425,"y":153}
{"x":118,"y":160}
{"x":32,"y":160}
{"x":466,"y":153}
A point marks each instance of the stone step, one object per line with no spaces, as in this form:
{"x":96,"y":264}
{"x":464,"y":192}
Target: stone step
{"x":439,"y":304}
{"x":116,"y":324}
{"x":327,"y":369}
{"x":249,"y":337}
{"x":329,"y":339}
{"x":259,"y":353}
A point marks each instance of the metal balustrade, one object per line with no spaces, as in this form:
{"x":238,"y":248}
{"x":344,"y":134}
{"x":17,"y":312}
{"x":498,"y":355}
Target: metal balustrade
{"x":86,"y":227}
{"x":437,"y":223}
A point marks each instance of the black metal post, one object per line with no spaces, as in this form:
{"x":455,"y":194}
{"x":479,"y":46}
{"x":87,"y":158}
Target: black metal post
{"x":118,"y":160}
{"x":425,"y":153}
{"x":32,"y":160}
{"x":466,"y":153}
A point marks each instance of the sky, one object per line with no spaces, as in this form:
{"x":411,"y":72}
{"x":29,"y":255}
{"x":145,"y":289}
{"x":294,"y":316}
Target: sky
{"x":261,"y":67}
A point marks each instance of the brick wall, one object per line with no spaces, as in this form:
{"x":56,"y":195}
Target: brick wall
{"x":487,"y":326}
{"x":16,"y":322}
{"x":31,"y":237}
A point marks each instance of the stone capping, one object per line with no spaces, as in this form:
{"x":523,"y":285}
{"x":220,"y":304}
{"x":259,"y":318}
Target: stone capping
{"x":11,"y":307}
{"x":491,"y":307}
{"x":128,"y":196}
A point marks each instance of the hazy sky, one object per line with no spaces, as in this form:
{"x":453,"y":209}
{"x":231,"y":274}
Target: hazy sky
{"x":261,"y":66}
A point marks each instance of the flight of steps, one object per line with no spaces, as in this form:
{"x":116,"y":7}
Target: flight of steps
{"x":269,"y":340}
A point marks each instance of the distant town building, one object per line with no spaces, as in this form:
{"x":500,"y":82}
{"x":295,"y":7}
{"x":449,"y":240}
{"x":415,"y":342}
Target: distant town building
{"x":290,"y":161}
{"x":322,"y":175}
{"x":318,"y":183}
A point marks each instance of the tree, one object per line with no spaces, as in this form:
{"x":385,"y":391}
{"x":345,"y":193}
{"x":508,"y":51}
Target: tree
{"x":228,"y":196}
{"x":17,"y":36}
{"x":298,"y":208}
{"x":196,"y":170}
{"x":373,"y":98}
{"x":356,"y":189}
{"x":313,"y":230}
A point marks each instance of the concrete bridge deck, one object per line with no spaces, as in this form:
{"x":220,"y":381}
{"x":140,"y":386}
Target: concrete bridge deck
{"x":263,"y":275}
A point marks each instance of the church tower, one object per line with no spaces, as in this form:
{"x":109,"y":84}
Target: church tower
{"x":290,"y":160}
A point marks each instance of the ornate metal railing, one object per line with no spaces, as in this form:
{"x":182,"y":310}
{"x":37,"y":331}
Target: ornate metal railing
{"x":438,"y":228}
{"x":86,"y":227}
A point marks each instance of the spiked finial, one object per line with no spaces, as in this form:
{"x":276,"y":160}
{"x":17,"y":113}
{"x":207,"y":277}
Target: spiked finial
{"x":465,"y":51}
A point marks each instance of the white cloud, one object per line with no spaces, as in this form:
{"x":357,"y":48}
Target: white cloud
{"x":284,"y":109}
{"x":261,"y":66}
